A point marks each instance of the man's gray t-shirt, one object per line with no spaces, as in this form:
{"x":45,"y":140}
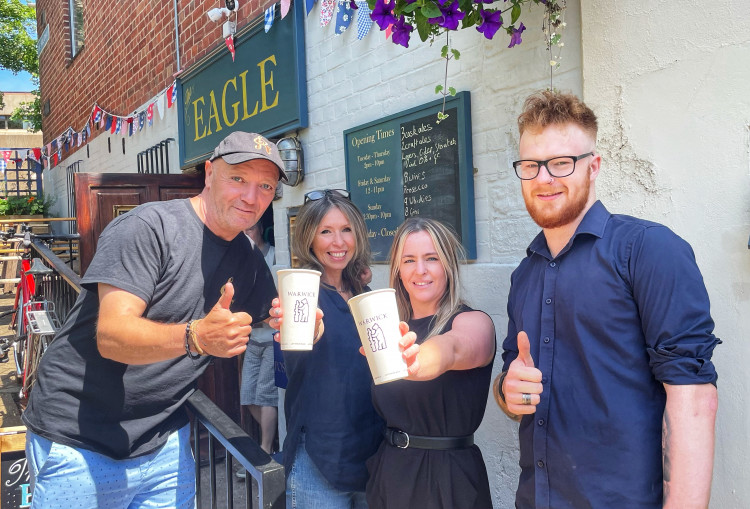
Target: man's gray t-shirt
{"x":162,"y":253}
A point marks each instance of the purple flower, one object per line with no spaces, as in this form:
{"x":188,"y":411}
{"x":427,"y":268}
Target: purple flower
{"x":401,"y":32}
{"x":484,"y":1}
{"x":353,"y":4}
{"x":491,"y":22}
{"x":516,"y":37}
{"x":382,"y":14}
{"x":451,"y":16}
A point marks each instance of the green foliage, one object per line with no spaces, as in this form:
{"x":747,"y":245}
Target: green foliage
{"x":31,"y":111}
{"x":25,"y":205}
{"x":17,"y":41}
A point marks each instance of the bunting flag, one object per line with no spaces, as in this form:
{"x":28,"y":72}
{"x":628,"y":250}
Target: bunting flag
{"x":3,"y":166}
{"x":230,"y":44}
{"x":160,"y":106}
{"x":285,"y":4}
{"x":101,"y":122}
{"x":171,"y":94}
{"x":150,"y":115}
{"x":6,"y":156}
{"x":66,"y":145}
{"x":118,"y":128}
{"x":96,"y":115}
{"x":269,"y":16}
{"x":110,"y":124}
{"x":131,"y":126}
{"x":141,"y":120}
{"x":54,"y":158}
{"x":343,"y":17}
{"x":309,"y":4}
{"x":326,"y":12}
{"x":37,"y":154}
{"x":364,"y":21}
{"x":54,"y":145}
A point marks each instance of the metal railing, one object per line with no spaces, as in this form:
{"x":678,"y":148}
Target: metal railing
{"x":155,"y":159}
{"x":239,"y":446}
{"x":62,"y":287}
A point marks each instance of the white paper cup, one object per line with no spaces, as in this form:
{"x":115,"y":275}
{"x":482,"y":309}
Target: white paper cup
{"x":298,"y":293}
{"x":376,"y":316}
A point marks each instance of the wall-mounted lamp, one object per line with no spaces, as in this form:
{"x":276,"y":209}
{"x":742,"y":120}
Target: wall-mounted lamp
{"x":290,"y":151}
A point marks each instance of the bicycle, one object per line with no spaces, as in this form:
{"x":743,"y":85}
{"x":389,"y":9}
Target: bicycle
{"x":34,"y":318}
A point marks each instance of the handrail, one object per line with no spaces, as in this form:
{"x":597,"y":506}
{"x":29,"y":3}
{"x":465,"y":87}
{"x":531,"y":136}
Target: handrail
{"x":268,"y":473}
{"x":52,"y":260}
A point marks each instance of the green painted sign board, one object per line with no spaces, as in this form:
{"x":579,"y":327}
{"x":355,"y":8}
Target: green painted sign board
{"x":409,"y":164}
{"x":263,"y":90}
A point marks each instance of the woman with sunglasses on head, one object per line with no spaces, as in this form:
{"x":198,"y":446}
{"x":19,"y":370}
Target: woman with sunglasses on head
{"x":332,"y":427}
{"x":428,"y":458}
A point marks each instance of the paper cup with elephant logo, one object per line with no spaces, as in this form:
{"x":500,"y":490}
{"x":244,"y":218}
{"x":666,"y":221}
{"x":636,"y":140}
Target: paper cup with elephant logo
{"x":376,"y":316}
{"x":298,"y":293}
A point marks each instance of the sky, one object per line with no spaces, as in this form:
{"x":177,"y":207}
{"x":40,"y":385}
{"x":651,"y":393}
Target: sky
{"x":20,"y":82}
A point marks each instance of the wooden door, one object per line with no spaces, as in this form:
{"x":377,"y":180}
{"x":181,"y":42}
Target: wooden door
{"x":100,"y":197}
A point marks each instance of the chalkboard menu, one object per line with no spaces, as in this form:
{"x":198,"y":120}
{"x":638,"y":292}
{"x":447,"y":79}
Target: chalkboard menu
{"x":409,"y":164}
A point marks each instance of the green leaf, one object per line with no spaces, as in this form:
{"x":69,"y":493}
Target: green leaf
{"x":438,"y":89}
{"x":409,"y":8}
{"x":451,"y":91}
{"x":456,"y":54}
{"x":423,"y":26}
{"x":515,"y":13}
{"x":371,"y":4}
{"x":444,"y":51}
{"x":430,"y":10}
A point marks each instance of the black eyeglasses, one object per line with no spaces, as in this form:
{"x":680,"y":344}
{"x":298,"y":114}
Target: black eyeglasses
{"x":322,"y":193}
{"x":528,"y":169}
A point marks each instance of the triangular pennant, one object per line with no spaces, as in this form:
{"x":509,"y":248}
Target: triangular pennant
{"x":141,"y":120}
{"x":150,"y":111}
{"x":343,"y":17}
{"x":230,"y":44}
{"x":171,"y":94}
{"x":309,"y":4}
{"x":160,"y":106}
{"x":110,"y":124}
{"x":37,"y":154}
{"x":326,"y":12}
{"x":364,"y":21}
{"x":285,"y":4}
{"x":118,"y":127}
{"x":269,"y":17}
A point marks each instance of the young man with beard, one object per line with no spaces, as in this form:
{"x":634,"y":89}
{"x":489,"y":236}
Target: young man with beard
{"x":607,"y":361}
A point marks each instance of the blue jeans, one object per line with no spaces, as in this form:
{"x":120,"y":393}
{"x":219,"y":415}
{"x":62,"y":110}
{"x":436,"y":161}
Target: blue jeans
{"x":64,"y":477}
{"x":306,"y":488}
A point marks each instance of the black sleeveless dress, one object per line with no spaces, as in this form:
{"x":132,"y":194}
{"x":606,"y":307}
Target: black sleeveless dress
{"x":451,"y":405}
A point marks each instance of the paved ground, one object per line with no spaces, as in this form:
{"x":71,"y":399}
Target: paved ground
{"x":9,"y":386}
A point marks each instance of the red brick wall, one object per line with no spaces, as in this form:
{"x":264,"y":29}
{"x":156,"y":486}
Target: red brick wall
{"x":128,"y":57}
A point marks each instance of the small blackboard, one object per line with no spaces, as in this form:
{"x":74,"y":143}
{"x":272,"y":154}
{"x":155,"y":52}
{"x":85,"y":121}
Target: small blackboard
{"x":409,"y":164}
{"x":14,"y":475}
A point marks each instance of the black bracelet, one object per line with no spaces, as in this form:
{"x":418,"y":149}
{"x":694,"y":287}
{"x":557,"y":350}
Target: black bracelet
{"x":500,"y":386}
{"x":187,"y":342}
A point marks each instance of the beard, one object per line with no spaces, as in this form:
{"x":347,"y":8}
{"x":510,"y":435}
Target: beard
{"x":548,"y":218}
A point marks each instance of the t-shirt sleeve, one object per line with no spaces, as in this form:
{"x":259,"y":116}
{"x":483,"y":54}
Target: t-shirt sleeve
{"x":674,"y":307}
{"x":128,"y":256}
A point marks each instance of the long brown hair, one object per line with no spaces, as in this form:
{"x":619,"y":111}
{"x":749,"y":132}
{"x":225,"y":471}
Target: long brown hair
{"x":306,"y":226}
{"x":449,"y":251}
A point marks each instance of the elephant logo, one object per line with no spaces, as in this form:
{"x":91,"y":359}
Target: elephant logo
{"x":301,"y":310}
{"x":376,"y":337}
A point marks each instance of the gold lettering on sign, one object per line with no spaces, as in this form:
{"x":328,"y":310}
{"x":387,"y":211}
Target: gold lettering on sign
{"x":198,"y":119}
{"x":264,"y":83}
{"x":245,"y":116}
{"x":213,"y":113}
{"x":235,"y":105}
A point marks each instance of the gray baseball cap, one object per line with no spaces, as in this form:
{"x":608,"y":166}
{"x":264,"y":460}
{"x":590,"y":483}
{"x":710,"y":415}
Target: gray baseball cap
{"x":240,"y":146}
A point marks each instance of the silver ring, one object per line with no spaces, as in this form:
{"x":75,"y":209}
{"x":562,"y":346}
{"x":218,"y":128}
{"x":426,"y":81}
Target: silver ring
{"x":526,"y":399}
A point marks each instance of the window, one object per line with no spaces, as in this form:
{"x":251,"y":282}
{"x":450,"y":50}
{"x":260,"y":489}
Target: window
{"x":15,"y":124}
{"x":76,"y":26}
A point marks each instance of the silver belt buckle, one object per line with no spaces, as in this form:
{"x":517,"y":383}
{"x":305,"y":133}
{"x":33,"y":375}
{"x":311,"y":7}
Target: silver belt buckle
{"x":405,"y":434}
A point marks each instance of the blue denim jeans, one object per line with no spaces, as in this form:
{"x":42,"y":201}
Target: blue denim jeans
{"x":306,"y":488}
{"x":64,"y":477}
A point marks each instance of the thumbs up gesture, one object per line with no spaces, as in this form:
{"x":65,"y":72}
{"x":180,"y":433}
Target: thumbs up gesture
{"x":522,"y":379}
{"x":222,"y":333}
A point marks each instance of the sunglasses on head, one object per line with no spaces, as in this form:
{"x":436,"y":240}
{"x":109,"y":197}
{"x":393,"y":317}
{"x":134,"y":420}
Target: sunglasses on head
{"x":322,"y":193}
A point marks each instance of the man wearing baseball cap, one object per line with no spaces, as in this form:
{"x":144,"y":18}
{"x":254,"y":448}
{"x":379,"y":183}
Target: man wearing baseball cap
{"x":171,"y":284}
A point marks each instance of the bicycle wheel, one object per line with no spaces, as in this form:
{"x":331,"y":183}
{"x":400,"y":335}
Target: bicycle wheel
{"x":36,"y":347}
{"x":19,"y":345}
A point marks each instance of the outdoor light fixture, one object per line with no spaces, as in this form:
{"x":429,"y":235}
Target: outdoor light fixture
{"x":290,"y":151}
{"x":217,"y":14}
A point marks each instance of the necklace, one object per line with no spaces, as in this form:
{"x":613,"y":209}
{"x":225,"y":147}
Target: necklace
{"x":331,"y":287}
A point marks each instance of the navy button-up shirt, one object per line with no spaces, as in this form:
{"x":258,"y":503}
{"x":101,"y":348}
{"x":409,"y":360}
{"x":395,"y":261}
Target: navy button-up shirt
{"x":619,"y":312}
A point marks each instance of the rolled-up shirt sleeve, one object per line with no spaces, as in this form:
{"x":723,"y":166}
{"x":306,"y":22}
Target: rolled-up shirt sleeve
{"x":674,"y":307}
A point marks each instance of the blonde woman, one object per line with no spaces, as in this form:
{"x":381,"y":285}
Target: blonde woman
{"x":429,"y":458}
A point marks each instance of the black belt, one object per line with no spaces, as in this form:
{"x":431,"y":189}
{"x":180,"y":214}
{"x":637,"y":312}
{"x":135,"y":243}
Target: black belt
{"x":403,"y":440}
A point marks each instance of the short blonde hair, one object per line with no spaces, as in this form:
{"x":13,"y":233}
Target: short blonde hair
{"x":547,"y":107}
